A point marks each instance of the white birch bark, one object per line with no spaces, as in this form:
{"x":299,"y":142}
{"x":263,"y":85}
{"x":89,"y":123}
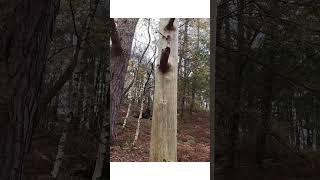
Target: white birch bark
{"x":59,"y":157}
{"x":60,"y":154}
{"x":127,"y":115}
{"x":163,"y":146}
{"x":139,"y":119}
{"x":128,"y":110}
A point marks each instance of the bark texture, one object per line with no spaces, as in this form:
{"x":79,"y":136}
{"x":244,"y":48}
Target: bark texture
{"x":164,"y":120}
{"x":25,"y":28}
{"x":119,"y":63}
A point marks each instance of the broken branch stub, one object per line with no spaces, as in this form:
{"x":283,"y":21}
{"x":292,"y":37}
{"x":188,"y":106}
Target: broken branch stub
{"x":169,"y":26}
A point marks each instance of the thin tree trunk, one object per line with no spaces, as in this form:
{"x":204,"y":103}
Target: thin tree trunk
{"x":67,"y":104}
{"x":237,"y":81}
{"x":127,"y":115}
{"x":102,"y":153}
{"x":185,"y":47}
{"x":143,"y":92}
{"x":194,"y":80}
{"x":265,"y":126}
{"x":60,"y":153}
{"x":138,"y":123}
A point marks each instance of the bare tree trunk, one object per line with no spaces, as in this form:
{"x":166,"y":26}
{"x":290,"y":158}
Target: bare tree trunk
{"x":143,"y":93}
{"x":194,"y":80}
{"x":60,"y":153}
{"x":119,"y":63}
{"x":212,"y":86}
{"x":138,"y":124}
{"x":25,"y":28}
{"x":67,"y":104}
{"x":265,"y":125}
{"x":237,"y":81}
{"x":163,"y":146}
{"x":185,"y":48}
{"x":103,"y":153}
{"x":127,"y":115}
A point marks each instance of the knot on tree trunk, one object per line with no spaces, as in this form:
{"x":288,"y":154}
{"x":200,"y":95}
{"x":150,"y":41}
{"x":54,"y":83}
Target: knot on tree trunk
{"x":164,"y":64}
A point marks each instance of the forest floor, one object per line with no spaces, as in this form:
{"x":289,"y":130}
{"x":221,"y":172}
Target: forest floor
{"x":80,"y":150}
{"x":280,"y":164}
{"x":193,"y":139}
{"x":79,"y":159}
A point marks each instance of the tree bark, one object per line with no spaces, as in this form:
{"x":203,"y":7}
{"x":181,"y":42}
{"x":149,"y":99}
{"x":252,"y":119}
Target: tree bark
{"x":60,"y":153}
{"x":265,"y":125}
{"x":128,"y":112}
{"x":163,"y":146}
{"x":185,"y":49}
{"x":103,"y":154}
{"x":237,"y":81}
{"x":119,"y":64}
{"x":25,"y":31}
{"x":194,"y":80}
{"x":213,"y":87}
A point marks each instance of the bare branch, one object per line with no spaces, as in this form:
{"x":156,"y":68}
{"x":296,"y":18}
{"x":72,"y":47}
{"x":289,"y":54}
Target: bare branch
{"x":73,"y":19}
{"x":67,"y":74}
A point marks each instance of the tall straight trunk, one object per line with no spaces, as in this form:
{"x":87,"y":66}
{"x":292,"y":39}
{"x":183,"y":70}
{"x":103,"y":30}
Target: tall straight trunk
{"x":25,"y":28}
{"x":227,"y":64}
{"x":60,"y":153}
{"x":143,"y":93}
{"x":193,"y":96}
{"x":67,"y":104}
{"x":212,"y":85}
{"x":103,"y":153}
{"x":138,"y":123}
{"x":299,"y":126}
{"x":237,"y":81}
{"x":185,"y":49}
{"x":194,"y":80}
{"x":316,"y":127}
{"x":265,"y":125}
{"x":119,"y":63}
{"x":291,"y":120}
{"x":163,"y":146}
{"x":128,"y":112}
{"x":309,"y":132}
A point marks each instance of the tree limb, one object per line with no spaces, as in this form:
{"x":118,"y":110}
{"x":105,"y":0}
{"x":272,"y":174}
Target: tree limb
{"x":67,"y":74}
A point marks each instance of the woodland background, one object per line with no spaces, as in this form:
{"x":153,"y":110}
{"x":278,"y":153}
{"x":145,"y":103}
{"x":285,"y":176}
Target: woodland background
{"x":267,"y":90}
{"x":61,"y":51}
{"x":55,"y":81}
{"x":193,"y":92}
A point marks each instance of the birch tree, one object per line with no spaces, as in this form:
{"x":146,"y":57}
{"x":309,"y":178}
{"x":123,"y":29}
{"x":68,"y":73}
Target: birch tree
{"x":143,"y":93}
{"x":163,"y":146}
